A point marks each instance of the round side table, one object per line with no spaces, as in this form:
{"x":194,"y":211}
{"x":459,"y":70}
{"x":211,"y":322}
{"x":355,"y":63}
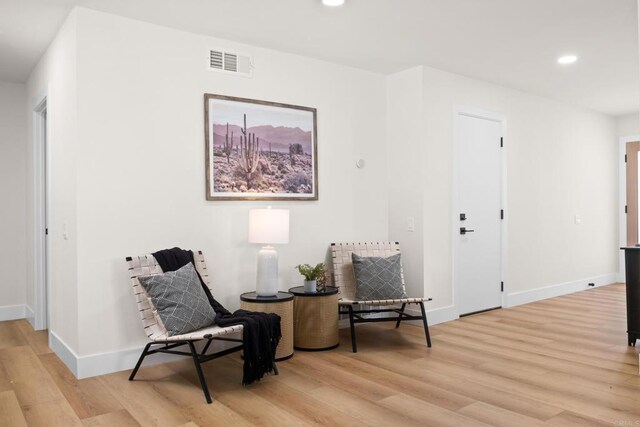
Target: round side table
{"x":280,"y":304}
{"x":315,"y":319}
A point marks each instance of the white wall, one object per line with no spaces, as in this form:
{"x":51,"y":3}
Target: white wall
{"x":628,"y":124}
{"x":561,"y":162}
{"x":141,"y":164}
{"x":55,"y":75}
{"x":405,"y":158}
{"x":13,"y":183}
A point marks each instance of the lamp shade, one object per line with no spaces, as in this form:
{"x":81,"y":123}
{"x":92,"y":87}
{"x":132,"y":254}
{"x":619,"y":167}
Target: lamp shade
{"x":269,"y":226}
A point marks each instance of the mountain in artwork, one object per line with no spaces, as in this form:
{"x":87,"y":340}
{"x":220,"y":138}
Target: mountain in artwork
{"x":279,"y":137}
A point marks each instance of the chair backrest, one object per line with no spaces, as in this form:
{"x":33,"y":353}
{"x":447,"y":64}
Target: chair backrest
{"x":146,"y":265}
{"x":342,"y":267}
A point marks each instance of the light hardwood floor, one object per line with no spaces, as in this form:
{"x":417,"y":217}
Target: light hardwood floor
{"x":559,"y":362}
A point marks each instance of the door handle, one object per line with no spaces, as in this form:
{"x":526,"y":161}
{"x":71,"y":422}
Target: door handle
{"x":464,"y":230}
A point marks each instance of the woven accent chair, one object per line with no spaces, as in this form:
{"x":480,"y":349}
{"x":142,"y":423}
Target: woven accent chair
{"x":146,"y":265}
{"x":344,"y":280}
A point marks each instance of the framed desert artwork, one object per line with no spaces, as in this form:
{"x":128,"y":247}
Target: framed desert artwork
{"x":259,"y":150}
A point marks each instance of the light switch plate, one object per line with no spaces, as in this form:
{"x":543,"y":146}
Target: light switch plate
{"x":411,"y":224}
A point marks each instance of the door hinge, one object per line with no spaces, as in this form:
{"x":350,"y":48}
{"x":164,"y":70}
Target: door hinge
{"x":625,"y":158}
{"x":501,"y":286}
{"x":46,"y":231}
{"x":501,"y":141}
{"x":501,"y":213}
{"x":625,"y":208}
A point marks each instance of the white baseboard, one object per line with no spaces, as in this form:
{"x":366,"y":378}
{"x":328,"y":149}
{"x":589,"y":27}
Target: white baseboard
{"x":441,"y":315}
{"x":115,"y":361}
{"x":30,"y":315}
{"x":103,"y":363}
{"x":62,"y":350}
{"x":434,"y":316}
{"x":524,"y":297}
{"x":12,"y":312}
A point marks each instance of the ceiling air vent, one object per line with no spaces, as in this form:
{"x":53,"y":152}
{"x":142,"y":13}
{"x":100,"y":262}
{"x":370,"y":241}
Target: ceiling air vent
{"x":230,"y":62}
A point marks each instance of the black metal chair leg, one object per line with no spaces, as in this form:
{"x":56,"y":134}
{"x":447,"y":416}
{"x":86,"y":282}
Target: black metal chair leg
{"x":203,"y":382}
{"x":426,"y":325}
{"x":275,"y":369}
{"x":142,"y":356}
{"x":353,"y":331}
{"x":400,"y":315}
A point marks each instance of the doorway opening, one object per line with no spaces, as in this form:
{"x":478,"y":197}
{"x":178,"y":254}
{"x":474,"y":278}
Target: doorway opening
{"x":42,"y":306}
{"x":629,"y":196}
{"x":479,"y":200}
{"x":631,"y":160}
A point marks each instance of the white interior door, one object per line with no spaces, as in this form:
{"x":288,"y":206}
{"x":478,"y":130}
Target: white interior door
{"x":478,"y":239}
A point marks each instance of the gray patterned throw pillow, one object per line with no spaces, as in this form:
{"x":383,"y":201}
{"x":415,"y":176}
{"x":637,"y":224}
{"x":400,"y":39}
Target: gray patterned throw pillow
{"x":378,"y":278}
{"x":180,"y":300}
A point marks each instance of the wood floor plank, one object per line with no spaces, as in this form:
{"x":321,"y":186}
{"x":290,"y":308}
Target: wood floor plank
{"x":341,"y":379}
{"x":369,"y":413}
{"x":475,"y":391}
{"x":496,"y":416}
{"x":142,"y":400}
{"x":29,"y":379}
{"x":571,"y":399}
{"x":215,"y":415}
{"x":10,"y":412}
{"x":120,"y":418}
{"x":224,"y":379}
{"x":88,"y":397}
{"x":303,"y":406}
{"x":10,"y":335}
{"x":38,"y":340}
{"x":405,"y":384}
{"x":51,"y":413}
{"x":571,"y":419}
{"x":5,"y":382}
{"x":416,"y":409}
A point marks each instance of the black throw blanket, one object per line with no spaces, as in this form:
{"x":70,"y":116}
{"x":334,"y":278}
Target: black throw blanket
{"x":261,"y":331}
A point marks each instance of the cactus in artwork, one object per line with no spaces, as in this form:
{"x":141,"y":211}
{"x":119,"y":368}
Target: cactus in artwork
{"x":227,"y":148}
{"x":249,"y":152}
{"x":293,"y":150}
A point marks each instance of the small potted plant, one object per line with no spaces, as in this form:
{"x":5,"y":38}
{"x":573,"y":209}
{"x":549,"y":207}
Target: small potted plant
{"x":311,"y":275}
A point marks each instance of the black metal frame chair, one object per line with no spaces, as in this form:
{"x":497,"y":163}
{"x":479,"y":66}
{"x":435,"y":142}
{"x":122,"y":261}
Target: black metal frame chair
{"x":146,"y":265}
{"x":344,"y":278}
{"x":198,"y":358}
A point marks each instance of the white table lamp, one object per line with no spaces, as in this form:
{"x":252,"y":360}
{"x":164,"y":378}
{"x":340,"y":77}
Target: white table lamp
{"x":268,"y":227}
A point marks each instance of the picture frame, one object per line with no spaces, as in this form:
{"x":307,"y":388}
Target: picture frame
{"x":259,"y":150}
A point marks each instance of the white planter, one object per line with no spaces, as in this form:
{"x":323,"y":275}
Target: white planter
{"x":310,"y":286}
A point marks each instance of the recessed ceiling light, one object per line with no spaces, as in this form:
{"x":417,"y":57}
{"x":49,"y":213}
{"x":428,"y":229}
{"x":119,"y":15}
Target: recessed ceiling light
{"x":567,"y":59}
{"x":333,"y":2}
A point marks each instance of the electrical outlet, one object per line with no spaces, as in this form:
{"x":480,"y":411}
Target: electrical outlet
{"x":577,"y":219}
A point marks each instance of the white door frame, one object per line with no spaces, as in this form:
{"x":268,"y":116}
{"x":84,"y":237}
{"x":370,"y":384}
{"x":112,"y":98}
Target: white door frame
{"x":622,"y":197}
{"x":41,"y":212}
{"x":459,"y":110}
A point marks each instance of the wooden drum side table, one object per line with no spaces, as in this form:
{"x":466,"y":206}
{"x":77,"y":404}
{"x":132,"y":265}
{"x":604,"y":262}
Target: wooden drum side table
{"x":315,"y":319}
{"x":280,"y":304}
